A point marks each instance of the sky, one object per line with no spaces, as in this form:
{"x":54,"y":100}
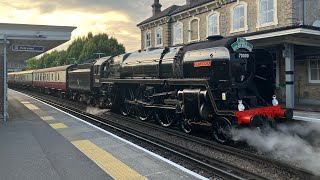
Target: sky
{"x":117,"y":18}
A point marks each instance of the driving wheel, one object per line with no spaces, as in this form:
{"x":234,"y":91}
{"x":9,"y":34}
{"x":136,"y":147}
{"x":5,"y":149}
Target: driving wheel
{"x":222,"y":130}
{"x":165,"y":117}
{"x":126,"y":108}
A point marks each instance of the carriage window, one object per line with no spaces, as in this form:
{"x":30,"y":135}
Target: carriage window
{"x":98,"y":70}
{"x":105,"y":71}
{"x":58,"y":77}
{"x":52,"y":77}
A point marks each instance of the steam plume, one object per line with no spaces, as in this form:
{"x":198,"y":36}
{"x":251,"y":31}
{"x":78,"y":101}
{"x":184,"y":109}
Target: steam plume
{"x":290,"y":143}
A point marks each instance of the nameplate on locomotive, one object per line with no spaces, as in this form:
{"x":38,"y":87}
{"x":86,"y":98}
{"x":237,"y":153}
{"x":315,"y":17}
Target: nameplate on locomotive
{"x":202,"y":64}
{"x":241,"y":43}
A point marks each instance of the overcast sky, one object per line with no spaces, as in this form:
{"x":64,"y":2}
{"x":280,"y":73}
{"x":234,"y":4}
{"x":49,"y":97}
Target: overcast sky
{"x":118,"y":18}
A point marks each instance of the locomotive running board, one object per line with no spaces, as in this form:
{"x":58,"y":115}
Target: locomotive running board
{"x":195,"y":82}
{"x":160,"y":106}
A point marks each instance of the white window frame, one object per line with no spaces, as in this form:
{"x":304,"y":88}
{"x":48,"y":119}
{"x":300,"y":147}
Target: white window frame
{"x":146,"y":40}
{"x":189,"y":31}
{"x":275,"y":15}
{"x":309,"y":69}
{"x":245,"y":6}
{"x":174,"y":33}
{"x":214,"y":13}
{"x":159,"y":29}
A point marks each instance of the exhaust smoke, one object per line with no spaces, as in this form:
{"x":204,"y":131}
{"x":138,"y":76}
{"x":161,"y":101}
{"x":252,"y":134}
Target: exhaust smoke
{"x":95,"y":111}
{"x":295,"y":144}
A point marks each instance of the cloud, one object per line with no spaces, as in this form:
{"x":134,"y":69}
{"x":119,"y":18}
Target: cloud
{"x":118,"y":18}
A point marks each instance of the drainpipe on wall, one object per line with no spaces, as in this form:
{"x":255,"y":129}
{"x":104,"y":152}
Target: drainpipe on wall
{"x":304,"y":12}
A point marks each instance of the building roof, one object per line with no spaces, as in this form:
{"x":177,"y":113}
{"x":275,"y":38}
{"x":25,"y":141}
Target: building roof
{"x":163,"y":13}
{"x":191,"y":5}
{"x":175,"y":9}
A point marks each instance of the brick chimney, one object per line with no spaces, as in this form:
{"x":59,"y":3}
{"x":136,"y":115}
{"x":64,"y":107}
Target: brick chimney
{"x":156,"y":7}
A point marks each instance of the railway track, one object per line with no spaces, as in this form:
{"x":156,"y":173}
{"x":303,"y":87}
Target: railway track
{"x":209,"y":166}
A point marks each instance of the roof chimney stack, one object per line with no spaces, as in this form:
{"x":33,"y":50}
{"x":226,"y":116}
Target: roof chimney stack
{"x":156,"y":7}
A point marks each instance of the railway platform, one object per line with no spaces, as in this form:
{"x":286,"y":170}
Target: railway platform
{"x":41,"y":142}
{"x":310,"y":116}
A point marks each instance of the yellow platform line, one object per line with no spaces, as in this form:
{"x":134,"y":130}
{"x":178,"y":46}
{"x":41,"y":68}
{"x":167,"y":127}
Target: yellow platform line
{"x":47,"y":118}
{"x":25,"y":102}
{"x":58,"y":126}
{"x":111,"y":165}
{"x":31,"y":106}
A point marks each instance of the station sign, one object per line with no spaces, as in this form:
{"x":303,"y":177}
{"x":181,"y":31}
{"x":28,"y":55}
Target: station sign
{"x":27,"y":48}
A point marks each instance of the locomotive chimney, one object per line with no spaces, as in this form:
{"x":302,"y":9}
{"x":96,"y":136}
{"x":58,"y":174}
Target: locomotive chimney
{"x":156,"y":7}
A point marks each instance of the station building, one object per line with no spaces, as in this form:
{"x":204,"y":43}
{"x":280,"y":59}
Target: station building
{"x":19,"y":42}
{"x":289,"y":29}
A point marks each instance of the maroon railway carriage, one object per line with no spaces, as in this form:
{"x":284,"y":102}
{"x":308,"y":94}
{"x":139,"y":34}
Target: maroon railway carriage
{"x":52,"y":79}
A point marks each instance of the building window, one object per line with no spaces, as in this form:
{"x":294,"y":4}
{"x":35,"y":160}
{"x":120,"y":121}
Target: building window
{"x":267,"y":12}
{"x":159,"y":37}
{"x":239,"y":17}
{"x":178,"y":33}
{"x":213,"y":24}
{"x":148,"y":39}
{"x":314,"y":71}
{"x":194,"y":30}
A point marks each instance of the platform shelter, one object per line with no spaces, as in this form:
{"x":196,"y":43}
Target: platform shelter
{"x":19,"y":42}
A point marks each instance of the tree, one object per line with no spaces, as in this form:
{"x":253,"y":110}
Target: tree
{"x":81,"y":50}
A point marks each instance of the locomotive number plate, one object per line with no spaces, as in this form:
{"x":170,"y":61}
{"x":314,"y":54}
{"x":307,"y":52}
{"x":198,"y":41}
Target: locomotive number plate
{"x":243,"y":56}
{"x":202,"y":64}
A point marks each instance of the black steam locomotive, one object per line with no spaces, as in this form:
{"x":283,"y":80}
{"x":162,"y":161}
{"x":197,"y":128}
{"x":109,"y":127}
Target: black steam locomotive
{"x":221,"y":83}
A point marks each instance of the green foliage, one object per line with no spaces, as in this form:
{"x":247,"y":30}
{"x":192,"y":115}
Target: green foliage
{"x":80,"y":50}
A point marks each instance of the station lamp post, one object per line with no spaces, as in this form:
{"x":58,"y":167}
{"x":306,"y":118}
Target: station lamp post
{"x":4,"y":78}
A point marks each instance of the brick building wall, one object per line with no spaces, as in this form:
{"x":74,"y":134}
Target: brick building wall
{"x":313,"y":11}
{"x":289,"y":12}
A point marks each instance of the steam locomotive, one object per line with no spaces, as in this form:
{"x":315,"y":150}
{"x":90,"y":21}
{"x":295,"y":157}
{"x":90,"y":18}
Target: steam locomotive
{"x":221,"y":83}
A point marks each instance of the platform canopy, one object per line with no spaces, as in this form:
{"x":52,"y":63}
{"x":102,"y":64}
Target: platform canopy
{"x":25,"y":41}
{"x":20,"y":42}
